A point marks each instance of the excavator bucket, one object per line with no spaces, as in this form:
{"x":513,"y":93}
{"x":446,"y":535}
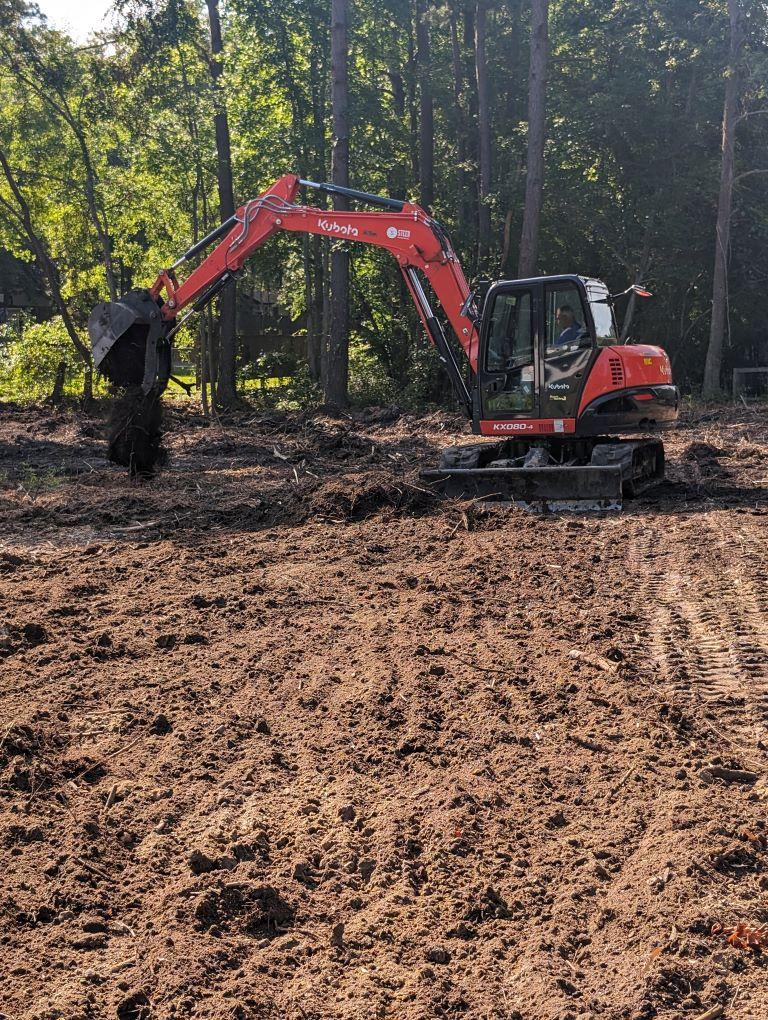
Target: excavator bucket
{"x":128,"y":339}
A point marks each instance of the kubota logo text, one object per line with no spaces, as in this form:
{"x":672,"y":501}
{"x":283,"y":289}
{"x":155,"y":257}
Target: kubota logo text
{"x":338,"y":228}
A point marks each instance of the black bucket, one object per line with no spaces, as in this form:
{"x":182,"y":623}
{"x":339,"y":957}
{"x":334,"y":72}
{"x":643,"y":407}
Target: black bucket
{"x":128,"y":342}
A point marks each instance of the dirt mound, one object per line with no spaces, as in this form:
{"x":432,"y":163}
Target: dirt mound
{"x":344,"y":502}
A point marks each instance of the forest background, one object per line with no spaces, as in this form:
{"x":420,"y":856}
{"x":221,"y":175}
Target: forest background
{"x":624,"y":139}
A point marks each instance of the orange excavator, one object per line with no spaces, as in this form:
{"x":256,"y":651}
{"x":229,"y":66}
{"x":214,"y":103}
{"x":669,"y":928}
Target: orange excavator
{"x":548,"y":378}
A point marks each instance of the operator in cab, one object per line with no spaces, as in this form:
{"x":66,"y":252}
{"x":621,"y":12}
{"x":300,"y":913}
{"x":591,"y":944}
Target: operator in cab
{"x":570,"y":329}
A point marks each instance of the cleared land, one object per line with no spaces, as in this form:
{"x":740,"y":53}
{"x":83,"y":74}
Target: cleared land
{"x":284,"y":737}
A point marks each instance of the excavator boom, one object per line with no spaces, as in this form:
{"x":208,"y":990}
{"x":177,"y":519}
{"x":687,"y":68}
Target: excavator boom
{"x":419,"y":244}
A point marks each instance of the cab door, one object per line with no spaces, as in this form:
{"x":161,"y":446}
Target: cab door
{"x":568,"y":348}
{"x":508,"y":369}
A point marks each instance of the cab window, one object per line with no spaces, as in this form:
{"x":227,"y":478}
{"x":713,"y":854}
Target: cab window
{"x":510,"y":338}
{"x":566,"y":322}
{"x":602,"y":313}
{"x":510,"y":355}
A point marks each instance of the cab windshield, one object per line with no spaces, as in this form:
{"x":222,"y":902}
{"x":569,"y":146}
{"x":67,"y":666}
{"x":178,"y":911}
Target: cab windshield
{"x":602,"y":313}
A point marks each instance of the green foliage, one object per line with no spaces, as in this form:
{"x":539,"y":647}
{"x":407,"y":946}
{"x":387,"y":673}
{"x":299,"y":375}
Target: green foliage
{"x":30,"y":362}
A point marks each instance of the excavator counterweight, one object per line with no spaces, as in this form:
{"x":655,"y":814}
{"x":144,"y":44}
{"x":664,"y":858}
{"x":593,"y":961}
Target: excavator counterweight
{"x":549,"y":379}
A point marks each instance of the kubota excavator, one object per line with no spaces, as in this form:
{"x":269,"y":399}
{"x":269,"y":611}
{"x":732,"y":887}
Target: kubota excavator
{"x":549,"y":378}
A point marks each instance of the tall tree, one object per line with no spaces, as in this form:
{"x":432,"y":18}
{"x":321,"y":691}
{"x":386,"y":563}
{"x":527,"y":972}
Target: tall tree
{"x":484,"y":133}
{"x":336,"y":374}
{"x":226,"y":388}
{"x":537,"y":115}
{"x":713,"y":364}
{"x":426,"y":107}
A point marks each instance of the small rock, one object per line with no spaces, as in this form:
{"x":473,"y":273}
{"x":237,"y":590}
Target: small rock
{"x":93,"y":924}
{"x":90,"y":942}
{"x":437,"y":955}
{"x":302,"y":872}
{"x":135,"y":1007}
{"x":262,"y":726}
{"x":347,"y":813}
{"x":337,"y":934}
{"x":166,"y":640}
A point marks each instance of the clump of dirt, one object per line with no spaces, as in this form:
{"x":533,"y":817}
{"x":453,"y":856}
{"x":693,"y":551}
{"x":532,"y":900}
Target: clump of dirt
{"x":339,"y":501}
{"x":135,"y":432}
{"x":250,"y":910}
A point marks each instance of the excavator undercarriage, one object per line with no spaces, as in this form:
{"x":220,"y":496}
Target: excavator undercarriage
{"x":551,"y":475}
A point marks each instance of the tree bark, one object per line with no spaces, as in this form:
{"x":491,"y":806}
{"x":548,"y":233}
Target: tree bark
{"x":484,"y":135}
{"x":226,"y":387}
{"x":413,"y":110}
{"x":426,"y":108}
{"x":56,"y":397}
{"x":315,"y":279}
{"x":714,"y":359}
{"x":336,"y":374}
{"x":514,"y":105}
{"x":457,"y":67}
{"x":537,"y":114}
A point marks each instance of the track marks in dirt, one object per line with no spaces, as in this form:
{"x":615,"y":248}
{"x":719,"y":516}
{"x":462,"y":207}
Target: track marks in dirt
{"x":708,"y":609}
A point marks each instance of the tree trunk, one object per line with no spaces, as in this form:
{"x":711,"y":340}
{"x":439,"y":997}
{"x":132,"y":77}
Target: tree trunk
{"x":315,"y":280}
{"x":484,"y":136}
{"x":713,"y":364}
{"x":640,"y":273}
{"x":514,"y":104}
{"x":226,"y":388}
{"x":336,"y":375}
{"x":56,"y":397}
{"x":534,"y":178}
{"x":426,"y":108}
{"x":413,"y":111}
{"x":457,"y":67}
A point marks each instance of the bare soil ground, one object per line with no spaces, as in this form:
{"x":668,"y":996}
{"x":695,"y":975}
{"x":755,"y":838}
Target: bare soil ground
{"x":282,"y":736}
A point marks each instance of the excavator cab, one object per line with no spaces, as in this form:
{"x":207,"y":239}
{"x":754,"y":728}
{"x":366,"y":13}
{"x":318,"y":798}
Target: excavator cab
{"x":538,"y":340}
{"x":556,"y":386}
{"x":550,"y":363}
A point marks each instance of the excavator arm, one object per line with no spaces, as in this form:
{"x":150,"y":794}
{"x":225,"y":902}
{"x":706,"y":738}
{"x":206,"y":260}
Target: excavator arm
{"x":143,"y":322}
